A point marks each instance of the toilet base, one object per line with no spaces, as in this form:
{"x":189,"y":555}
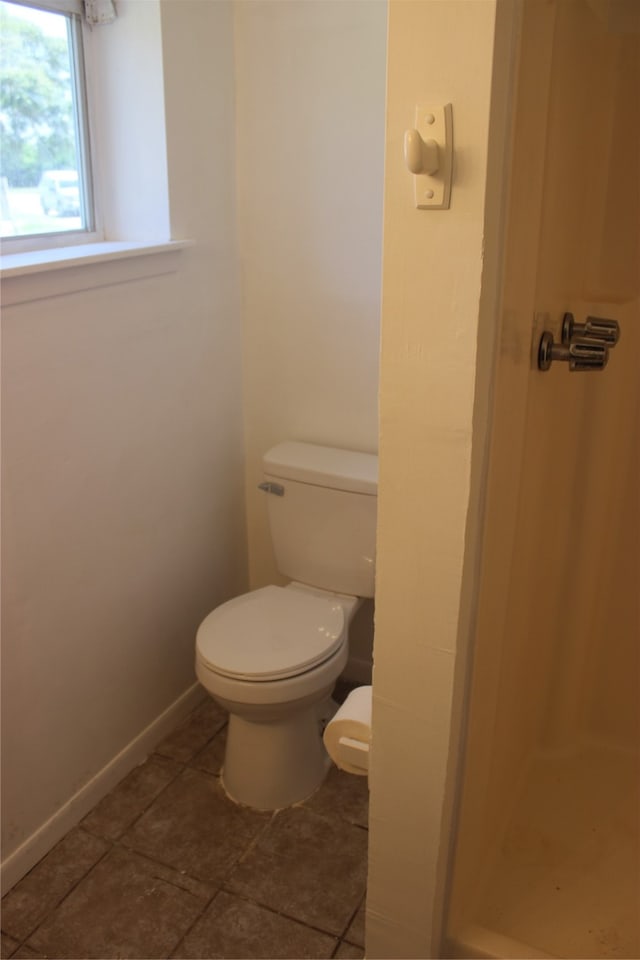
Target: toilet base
{"x":273,"y":764}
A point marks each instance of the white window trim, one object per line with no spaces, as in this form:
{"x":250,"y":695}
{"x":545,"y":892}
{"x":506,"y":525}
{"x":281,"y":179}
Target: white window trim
{"x":42,"y":274}
{"x":56,"y":6}
{"x":43,"y":261}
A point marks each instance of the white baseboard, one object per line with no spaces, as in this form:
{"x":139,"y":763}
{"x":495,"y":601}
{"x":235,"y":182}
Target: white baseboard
{"x":46,"y":836}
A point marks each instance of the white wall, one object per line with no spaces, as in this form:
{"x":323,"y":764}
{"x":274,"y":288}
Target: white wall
{"x":310,"y":151}
{"x":433,"y":411}
{"x":123,"y":478}
{"x":124,"y":75}
{"x":123,"y":452}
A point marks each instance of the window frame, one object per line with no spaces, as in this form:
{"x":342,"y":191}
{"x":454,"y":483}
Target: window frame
{"x":79,"y":34}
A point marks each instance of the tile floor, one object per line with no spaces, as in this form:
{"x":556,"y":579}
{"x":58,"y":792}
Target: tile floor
{"x":167,"y":866}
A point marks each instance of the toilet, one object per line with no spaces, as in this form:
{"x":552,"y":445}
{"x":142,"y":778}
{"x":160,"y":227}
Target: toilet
{"x":271,"y":657}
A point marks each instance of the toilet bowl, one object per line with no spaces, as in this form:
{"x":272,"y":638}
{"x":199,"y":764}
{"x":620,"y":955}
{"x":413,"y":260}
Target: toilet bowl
{"x":271,"y":657}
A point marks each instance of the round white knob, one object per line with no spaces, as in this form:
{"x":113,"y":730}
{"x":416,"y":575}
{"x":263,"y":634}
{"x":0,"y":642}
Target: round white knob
{"x":420,"y":156}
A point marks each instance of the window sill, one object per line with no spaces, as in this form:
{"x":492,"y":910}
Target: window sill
{"x":48,"y":273}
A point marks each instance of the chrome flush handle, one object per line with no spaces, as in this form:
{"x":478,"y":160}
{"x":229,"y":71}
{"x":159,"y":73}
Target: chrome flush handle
{"x":585,"y":346}
{"x":595,"y":329}
{"x":579,"y":354}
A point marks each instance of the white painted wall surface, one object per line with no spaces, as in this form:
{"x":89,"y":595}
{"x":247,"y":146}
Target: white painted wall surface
{"x":123,"y":482}
{"x":124,"y":71}
{"x":432,"y":273}
{"x":310,"y":151}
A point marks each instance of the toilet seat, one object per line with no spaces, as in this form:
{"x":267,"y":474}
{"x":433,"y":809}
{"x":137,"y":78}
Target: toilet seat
{"x":270,"y":634}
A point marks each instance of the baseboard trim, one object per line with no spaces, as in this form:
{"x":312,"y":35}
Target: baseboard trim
{"x":46,"y":836}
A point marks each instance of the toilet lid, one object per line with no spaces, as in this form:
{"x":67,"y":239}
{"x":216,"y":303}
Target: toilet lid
{"x":270,"y":634}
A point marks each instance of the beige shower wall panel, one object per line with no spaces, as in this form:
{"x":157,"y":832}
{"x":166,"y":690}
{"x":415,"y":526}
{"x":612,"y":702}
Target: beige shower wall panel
{"x":589,"y":256}
{"x":611,"y":698}
{"x":558,"y":615}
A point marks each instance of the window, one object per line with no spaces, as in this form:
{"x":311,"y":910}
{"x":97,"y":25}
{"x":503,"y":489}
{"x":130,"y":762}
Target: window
{"x":46,"y":195}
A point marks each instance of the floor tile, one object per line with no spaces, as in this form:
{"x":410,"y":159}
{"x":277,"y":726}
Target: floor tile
{"x":178,"y":839}
{"x":193,"y":733}
{"x":211,"y":757}
{"x":49,"y":881}
{"x":346,"y":951}
{"x":342,"y":795}
{"x":179,"y":878}
{"x":111,"y":817}
{"x":306,"y":867}
{"x":194,"y":827}
{"x":234,"y":928}
{"x":121,"y":909}
{"x":355,"y":931}
{"x":9,"y":945}
{"x":26,"y":953}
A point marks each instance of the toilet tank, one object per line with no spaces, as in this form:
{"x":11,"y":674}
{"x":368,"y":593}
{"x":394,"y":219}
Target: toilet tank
{"x":323,"y":525}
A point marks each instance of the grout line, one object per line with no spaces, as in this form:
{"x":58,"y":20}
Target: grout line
{"x":152,"y":862}
{"x":183,"y":765}
{"x":282,"y":913}
{"x":196,"y":920}
{"x":145,"y":810}
{"x":17,"y":944}
{"x":208,"y":743}
{"x":68,"y":893}
{"x":229,"y":877}
{"x":251,"y":845}
{"x":122,"y":842}
{"x":353,"y":916}
{"x":117,"y":842}
{"x":197,"y":753}
{"x":222,"y":884}
{"x":346,"y":943}
{"x":111,"y":842}
{"x":156,"y":860}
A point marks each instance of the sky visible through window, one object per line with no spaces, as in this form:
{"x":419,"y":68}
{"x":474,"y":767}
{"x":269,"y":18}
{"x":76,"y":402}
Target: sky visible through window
{"x":51,"y":24}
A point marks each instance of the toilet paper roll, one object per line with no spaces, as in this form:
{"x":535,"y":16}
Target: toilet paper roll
{"x":348,"y":735}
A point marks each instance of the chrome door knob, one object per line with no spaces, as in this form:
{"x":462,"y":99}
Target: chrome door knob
{"x":581,"y":355}
{"x":596,"y":329}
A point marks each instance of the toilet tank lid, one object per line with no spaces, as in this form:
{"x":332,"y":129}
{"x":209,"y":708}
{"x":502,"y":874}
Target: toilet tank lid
{"x":346,"y":470}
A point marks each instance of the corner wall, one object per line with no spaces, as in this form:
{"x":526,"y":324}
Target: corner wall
{"x":310,"y":153}
{"x":432,"y":441}
{"x":123,"y":473}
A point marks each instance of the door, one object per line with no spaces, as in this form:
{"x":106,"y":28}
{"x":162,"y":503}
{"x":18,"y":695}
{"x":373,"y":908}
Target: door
{"x":556,"y":671}
{"x":573,"y":247}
